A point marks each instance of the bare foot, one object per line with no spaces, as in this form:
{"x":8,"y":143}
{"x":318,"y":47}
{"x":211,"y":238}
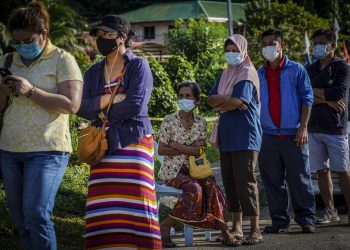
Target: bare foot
{"x":238,"y":233}
{"x":165,"y":231}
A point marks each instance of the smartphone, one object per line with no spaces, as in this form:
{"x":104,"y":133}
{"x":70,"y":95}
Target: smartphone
{"x":5,"y":72}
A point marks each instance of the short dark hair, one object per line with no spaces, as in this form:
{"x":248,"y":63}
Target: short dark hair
{"x":327,"y":33}
{"x":196,"y":90}
{"x":273,"y":32}
{"x":34,"y":17}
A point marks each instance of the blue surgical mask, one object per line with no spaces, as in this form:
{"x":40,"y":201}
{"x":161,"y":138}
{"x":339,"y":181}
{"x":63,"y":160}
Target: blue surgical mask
{"x":320,"y":51}
{"x":28,"y":51}
{"x":233,"y":58}
{"x":186,"y":105}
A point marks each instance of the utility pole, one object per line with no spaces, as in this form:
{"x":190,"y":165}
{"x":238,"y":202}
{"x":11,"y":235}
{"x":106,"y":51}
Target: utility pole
{"x":229,"y":15}
{"x":271,"y":20}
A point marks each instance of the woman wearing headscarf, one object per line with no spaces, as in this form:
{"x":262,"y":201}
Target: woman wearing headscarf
{"x":238,"y":135}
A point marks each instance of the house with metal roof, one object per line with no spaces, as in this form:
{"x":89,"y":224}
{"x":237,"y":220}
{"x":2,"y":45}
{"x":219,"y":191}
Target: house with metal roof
{"x":152,"y":22}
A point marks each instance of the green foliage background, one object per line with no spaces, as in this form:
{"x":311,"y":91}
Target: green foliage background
{"x":293,"y":20}
{"x":197,"y":54}
{"x":163,"y":99}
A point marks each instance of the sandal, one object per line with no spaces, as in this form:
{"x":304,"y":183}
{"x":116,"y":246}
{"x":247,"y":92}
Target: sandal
{"x":168,"y":243}
{"x":253,"y":240}
{"x":235,"y":236}
{"x":231,"y":242}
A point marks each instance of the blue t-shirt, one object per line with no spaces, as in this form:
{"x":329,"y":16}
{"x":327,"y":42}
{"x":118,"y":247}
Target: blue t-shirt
{"x":240,"y":129}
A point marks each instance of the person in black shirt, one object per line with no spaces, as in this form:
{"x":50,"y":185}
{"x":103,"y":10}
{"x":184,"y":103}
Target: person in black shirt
{"x":328,"y":138}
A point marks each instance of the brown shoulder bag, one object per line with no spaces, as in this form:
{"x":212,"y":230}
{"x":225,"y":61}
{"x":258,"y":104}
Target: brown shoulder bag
{"x":92,"y":141}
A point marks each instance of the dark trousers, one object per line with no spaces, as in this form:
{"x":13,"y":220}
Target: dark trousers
{"x":237,"y":170}
{"x":281,"y":162}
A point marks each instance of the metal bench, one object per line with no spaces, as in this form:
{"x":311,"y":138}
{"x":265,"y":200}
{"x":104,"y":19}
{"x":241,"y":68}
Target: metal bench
{"x":170,"y":191}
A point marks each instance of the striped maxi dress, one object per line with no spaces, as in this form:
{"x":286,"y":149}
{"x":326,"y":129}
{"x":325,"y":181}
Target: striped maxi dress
{"x":121,"y":210}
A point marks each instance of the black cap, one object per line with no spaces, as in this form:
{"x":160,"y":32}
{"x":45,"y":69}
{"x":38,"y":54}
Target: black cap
{"x":113,"y":23}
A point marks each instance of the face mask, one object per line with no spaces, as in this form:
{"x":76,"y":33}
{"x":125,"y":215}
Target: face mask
{"x":270,"y":53}
{"x":233,"y":58}
{"x":320,"y":51}
{"x":186,"y":105}
{"x":106,"y":46}
{"x":28,"y":51}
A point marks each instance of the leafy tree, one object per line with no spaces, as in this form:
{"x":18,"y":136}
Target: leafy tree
{"x":194,"y":37}
{"x":5,"y":38}
{"x":179,"y":70}
{"x":163,"y":99}
{"x":65,"y":23}
{"x":291,"y":18}
{"x":201,"y":42}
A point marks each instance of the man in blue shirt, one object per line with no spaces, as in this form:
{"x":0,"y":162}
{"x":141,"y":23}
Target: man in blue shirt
{"x":286,"y":100}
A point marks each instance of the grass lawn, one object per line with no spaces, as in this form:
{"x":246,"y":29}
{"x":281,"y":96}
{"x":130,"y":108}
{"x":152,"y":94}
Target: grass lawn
{"x":68,"y":214}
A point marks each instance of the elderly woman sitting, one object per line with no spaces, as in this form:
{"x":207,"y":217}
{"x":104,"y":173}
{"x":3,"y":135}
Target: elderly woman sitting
{"x":181,"y":135}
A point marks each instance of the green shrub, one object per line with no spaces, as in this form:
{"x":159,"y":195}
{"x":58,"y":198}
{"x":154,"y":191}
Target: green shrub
{"x":82,"y":60}
{"x":179,"y":70}
{"x":163,"y":99}
{"x":74,"y":122}
{"x":193,"y":37}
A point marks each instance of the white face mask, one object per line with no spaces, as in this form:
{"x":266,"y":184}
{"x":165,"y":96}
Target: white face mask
{"x":270,"y":53}
{"x":186,"y":105}
{"x":233,"y":58}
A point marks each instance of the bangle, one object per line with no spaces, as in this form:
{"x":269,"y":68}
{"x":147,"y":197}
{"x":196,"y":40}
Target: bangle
{"x":31,"y":91}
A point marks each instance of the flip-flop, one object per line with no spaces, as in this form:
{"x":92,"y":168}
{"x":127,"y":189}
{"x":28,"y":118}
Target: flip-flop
{"x":231,"y":242}
{"x":252,"y":241}
{"x":236,"y":236}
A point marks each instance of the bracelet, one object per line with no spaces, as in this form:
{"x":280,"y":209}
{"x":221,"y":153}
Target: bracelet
{"x":31,"y":92}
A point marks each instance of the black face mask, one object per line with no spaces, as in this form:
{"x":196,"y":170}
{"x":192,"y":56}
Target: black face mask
{"x":106,"y":46}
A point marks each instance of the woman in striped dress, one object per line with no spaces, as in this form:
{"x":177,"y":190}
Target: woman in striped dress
{"x":121,"y":210}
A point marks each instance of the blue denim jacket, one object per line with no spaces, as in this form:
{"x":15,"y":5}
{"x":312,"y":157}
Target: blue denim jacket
{"x":128,"y":119}
{"x":296,"y":91}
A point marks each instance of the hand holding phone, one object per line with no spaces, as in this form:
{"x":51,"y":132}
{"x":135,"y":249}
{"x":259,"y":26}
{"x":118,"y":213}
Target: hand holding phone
{"x":5,"y":72}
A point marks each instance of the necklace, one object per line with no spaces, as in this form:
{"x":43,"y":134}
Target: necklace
{"x":108,"y":76}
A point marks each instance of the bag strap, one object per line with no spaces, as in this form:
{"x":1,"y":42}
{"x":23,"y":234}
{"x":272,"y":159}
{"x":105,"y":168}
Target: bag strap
{"x":8,"y":60}
{"x":7,"y":64}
